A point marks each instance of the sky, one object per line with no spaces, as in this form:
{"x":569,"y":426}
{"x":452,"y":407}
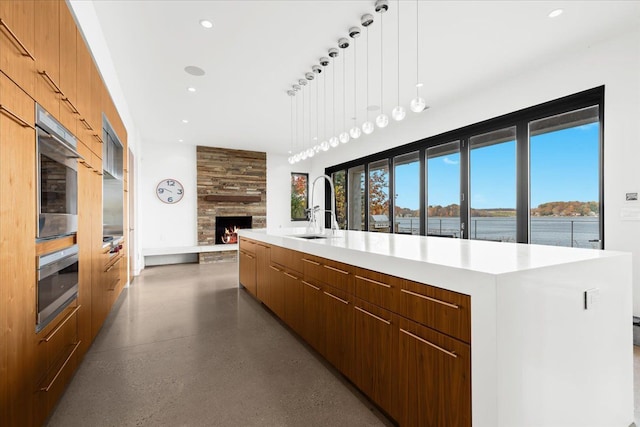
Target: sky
{"x":563,"y":167}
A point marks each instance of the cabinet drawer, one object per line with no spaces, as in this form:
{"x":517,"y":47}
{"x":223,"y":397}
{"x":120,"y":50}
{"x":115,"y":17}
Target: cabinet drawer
{"x":329,"y":272}
{"x":50,"y":390}
{"x":248,"y":245}
{"x":446,"y":311}
{"x":56,"y":341}
{"x":376,"y":288}
{"x":287,"y":258}
{"x":17,"y":35}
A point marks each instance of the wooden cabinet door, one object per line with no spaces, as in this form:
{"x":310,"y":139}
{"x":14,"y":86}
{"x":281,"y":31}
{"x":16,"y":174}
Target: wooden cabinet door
{"x":98,"y":296}
{"x":375,"y":366}
{"x":17,"y":43}
{"x":248,"y":271}
{"x":435,"y":378}
{"x":293,"y":302}
{"x":68,"y":72}
{"x":47,"y":53}
{"x":339,"y":329}
{"x":17,"y":253}
{"x":276,"y":291}
{"x":312,"y":316}
{"x":84,"y":240}
{"x":262,"y":268}
{"x":95,"y":115}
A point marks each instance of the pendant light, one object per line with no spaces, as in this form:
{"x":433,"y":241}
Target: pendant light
{"x":398,"y":113}
{"x":382,"y":120}
{"x":418,"y":103}
{"x":355,"y":132}
{"x":316,"y":148}
{"x":291,"y":94}
{"x":344,"y":135}
{"x":309,"y":150}
{"x":324,"y":145}
{"x":366,"y":20}
{"x":333,"y":141}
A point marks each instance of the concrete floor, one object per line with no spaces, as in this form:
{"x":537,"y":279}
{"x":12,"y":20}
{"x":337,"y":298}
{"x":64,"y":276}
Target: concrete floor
{"x":184,"y":347}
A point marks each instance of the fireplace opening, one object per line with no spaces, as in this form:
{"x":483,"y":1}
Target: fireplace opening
{"x":227,"y":228}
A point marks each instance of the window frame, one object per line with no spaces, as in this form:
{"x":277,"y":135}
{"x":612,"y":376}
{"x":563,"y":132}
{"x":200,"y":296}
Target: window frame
{"x":520,"y":119}
{"x":306,"y":175}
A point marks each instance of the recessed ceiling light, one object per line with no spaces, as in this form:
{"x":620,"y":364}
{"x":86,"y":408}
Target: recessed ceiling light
{"x":555,"y":13}
{"x":185,"y":121}
{"x":419,"y":84}
{"x":206,"y":23}
{"x":191,"y":89}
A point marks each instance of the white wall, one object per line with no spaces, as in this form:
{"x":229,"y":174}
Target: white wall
{"x":614,"y":63}
{"x":167,"y":225}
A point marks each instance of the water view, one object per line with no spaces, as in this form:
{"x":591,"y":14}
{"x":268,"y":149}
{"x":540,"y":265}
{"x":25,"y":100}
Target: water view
{"x":577,"y":232}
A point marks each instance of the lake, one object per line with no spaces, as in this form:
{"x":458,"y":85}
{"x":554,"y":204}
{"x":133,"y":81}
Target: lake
{"x":581,"y":232}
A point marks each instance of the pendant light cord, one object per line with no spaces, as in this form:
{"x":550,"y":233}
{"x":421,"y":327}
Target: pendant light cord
{"x":333,"y":98}
{"x":344,"y":90}
{"x":355,"y":85}
{"x":367,"y":74}
{"x":381,"y":67}
{"x":398,"y":52}
{"x":417,"y":49}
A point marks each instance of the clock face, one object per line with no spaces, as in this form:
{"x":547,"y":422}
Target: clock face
{"x":169,"y":191}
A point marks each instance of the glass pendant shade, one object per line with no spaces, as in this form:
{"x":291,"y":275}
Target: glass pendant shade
{"x":311,"y":152}
{"x":324,"y":146}
{"x":344,"y":137}
{"x":398,"y":113}
{"x":290,"y":160}
{"x":367,"y":127}
{"x":355,"y":132}
{"x":418,"y":104}
{"x":382,"y":120}
{"x":296,"y":158}
{"x":333,"y":142}
{"x":316,"y":148}
{"x":304,"y":154}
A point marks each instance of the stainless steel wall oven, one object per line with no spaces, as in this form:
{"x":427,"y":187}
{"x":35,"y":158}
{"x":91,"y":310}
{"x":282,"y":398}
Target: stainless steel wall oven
{"x":57,"y":177}
{"x":57,"y":284}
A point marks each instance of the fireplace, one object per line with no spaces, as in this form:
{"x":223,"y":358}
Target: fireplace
{"x":227,"y":226}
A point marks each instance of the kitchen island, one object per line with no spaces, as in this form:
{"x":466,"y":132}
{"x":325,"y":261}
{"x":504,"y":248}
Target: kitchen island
{"x":440,"y":331}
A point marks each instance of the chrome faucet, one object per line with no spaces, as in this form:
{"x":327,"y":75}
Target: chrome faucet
{"x":314,"y":224}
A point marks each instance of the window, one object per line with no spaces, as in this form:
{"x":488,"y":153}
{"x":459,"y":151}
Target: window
{"x":406,"y":205}
{"x":443,"y":190}
{"x":492,"y":185}
{"x":379,"y":219}
{"x":356,"y":198}
{"x":531,"y":176}
{"x":565,"y":181}
{"x":340,"y":185}
{"x":299,"y":196}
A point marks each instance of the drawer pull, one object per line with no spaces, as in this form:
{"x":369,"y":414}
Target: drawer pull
{"x":311,"y":286}
{"x":263,"y":246}
{"x":335,"y":269}
{"x":274,"y":268}
{"x":70,"y":104}
{"x":248,"y":256}
{"x":16,"y":118}
{"x":53,"y":84}
{"x":86,"y":124}
{"x":113,"y":265}
{"x":55,"y":331}
{"x":96,"y":136}
{"x":373,"y":315}
{"x":448,"y":304}
{"x":437,"y":347}
{"x":375,"y":282}
{"x":335,"y":297}
{"x":47,"y":388}
{"x":85,"y":164}
{"x":17,"y":40}
{"x":310,"y":262}
{"x":291,"y":276}
{"x":115,"y":285}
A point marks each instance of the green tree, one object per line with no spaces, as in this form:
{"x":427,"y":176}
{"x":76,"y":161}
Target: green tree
{"x":299,"y":189}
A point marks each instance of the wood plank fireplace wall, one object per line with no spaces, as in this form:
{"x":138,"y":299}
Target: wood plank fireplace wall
{"x":230,"y":183}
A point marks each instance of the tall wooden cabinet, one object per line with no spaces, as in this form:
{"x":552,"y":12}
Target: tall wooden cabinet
{"x":44,"y":59}
{"x":17,"y":253}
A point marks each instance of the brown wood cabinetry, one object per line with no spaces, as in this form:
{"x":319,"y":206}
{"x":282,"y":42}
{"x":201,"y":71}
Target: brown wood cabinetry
{"x":47,"y":52}
{"x":248,"y":271}
{"x":339,"y":329}
{"x":434,"y":378}
{"x":375,"y":362}
{"x":17,"y":43}
{"x":262,"y":253}
{"x":94,"y":118}
{"x":68,"y":72}
{"x":17,"y":254}
{"x":404,"y":344}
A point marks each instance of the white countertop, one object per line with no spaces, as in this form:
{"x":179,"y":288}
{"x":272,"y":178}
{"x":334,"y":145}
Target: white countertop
{"x":493,"y":258}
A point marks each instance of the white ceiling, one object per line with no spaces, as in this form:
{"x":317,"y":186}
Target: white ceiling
{"x":257,"y":49}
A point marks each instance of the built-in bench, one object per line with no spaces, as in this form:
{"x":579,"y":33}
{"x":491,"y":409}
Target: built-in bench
{"x":181,"y":254}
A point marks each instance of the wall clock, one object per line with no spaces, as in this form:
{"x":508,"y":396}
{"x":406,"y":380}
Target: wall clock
{"x":170,"y":191}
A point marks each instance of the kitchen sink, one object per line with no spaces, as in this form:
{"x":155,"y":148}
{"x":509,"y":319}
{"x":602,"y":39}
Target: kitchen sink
{"x":309,"y":236}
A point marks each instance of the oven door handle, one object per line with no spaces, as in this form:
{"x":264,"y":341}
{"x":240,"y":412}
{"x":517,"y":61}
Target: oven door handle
{"x":65,"y":145}
{"x":54,"y":267}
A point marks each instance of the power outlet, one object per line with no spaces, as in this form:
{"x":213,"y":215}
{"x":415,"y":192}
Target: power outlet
{"x":591,"y":297}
